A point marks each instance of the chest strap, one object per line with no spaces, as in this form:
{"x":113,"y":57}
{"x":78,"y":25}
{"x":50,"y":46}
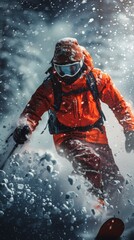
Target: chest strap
{"x":56,"y":127}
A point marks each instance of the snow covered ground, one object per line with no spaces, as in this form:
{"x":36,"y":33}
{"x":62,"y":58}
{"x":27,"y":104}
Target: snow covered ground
{"x":41,"y":199}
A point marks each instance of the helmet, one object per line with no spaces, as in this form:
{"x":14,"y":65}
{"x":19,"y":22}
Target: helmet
{"x":68,"y":57}
{"x":67,"y":50}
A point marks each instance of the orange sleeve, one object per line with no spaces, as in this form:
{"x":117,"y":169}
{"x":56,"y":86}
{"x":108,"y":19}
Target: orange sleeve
{"x":39,"y":103}
{"x":110,"y":95}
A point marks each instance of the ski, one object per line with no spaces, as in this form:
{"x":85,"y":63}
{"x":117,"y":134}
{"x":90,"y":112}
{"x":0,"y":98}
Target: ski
{"x":112,"y":229}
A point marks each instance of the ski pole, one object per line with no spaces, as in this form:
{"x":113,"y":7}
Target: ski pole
{"x":8,"y":137}
{"x":12,"y":151}
{"x":26,"y":131}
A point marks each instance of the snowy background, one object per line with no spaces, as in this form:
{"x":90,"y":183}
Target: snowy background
{"x":39,"y":198}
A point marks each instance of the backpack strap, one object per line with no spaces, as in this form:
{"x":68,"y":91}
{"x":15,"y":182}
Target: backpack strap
{"x":91,"y":83}
{"x":57,"y":90}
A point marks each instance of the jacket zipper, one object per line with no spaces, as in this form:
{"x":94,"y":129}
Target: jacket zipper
{"x":76,"y":108}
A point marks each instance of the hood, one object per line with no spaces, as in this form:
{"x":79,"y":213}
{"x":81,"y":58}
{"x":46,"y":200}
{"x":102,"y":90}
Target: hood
{"x":87,"y":58}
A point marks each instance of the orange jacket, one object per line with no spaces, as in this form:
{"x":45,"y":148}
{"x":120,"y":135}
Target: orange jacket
{"x":80,"y":109}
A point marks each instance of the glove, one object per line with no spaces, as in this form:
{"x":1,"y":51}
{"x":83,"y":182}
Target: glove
{"x":20,"y":135}
{"x":129,"y":143}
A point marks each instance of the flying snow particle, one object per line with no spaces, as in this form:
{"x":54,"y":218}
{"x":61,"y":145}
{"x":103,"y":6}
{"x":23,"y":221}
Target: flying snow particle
{"x":11,"y":200}
{"x":2,"y":175}
{"x":49,"y":222}
{"x":5,"y":190}
{"x":73,"y":219}
{"x":71,"y":180}
{"x":84,"y":1}
{"x":50,"y":168}
{"x":1,"y":213}
{"x":32,"y":201}
{"x":93,"y":211}
{"x":20,"y":186}
{"x":70,"y":195}
{"x":29,"y":175}
{"x":90,"y":20}
{"x":83,"y":210}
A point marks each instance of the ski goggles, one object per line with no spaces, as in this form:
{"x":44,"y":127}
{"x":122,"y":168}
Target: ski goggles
{"x":69,"y":70}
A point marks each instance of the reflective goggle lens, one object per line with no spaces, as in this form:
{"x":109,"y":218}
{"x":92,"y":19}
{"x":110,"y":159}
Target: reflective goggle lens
{"x":68,"y":69}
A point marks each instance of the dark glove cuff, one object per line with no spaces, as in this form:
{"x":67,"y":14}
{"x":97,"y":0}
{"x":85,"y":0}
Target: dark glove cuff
{"x":21,"y":133}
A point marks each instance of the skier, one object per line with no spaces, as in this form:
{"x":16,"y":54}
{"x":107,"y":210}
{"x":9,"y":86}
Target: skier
{"x":71,"y":94}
